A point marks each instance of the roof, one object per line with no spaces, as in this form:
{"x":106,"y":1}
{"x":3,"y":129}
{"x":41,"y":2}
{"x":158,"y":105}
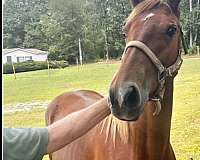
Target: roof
{"x":28,"y":50}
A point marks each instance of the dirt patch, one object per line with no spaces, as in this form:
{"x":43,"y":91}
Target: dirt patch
{"x":191,"y":56}
{"x":11,"y":108}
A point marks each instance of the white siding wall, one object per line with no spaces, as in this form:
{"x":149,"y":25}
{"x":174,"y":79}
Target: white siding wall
{"x":19,"y":53}
{"x":4,"y":59}
{"x":39,"y":57}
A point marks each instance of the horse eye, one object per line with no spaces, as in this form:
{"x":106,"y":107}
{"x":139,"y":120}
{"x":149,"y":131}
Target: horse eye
{"x":124,"y":35}
{"x":171,"y":31}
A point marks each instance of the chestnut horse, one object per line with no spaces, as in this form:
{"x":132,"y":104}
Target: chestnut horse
{"x":140,"y":95}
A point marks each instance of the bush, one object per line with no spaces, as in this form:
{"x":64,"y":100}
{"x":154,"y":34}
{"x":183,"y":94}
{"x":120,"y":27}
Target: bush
{"x":7,"y":68}
{"x":58,"y":64}
{"x":192,"y":50}
{"x":32,"y":66}
{"x":71,"y":59}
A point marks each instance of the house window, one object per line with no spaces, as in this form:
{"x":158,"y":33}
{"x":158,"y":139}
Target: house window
{"x":20,"y":59}
{"x":9,"y":59}
{"x":27,"y":58}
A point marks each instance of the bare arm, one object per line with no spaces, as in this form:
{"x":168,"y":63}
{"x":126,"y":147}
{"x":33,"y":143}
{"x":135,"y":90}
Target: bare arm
{"x":75,"y":125}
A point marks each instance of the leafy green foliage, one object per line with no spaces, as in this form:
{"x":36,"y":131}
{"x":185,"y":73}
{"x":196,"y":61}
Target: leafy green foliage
{"x":191,"y":20}
{"x":16,"y":15}
{"x":57,"y":25}
{"x":32,"y":66}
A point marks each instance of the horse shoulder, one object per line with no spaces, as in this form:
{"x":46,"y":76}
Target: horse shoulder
{"x":69,"y":102}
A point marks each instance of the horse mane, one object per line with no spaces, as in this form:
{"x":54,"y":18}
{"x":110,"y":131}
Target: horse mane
{"x":115,"y":129}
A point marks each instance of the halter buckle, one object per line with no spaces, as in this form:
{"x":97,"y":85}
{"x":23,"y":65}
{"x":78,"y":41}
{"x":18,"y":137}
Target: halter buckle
{"x":157,"y":104}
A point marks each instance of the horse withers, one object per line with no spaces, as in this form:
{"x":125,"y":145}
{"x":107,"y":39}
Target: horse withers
{"x":140,"y":95}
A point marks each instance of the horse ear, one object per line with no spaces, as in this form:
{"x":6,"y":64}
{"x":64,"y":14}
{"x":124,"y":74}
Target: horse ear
{"x":175,"y":5}
{"x":135,"y":2}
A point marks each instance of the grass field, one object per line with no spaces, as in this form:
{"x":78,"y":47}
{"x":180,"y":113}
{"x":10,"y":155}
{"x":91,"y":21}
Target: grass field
{"x":38,"y":86}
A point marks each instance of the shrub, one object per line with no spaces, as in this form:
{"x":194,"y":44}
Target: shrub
{"x":192,"y":50}
{"x":58,"y":64}
{"x":7,"y":68}
{"x":71,"y":59}
{"x":32,"y":66}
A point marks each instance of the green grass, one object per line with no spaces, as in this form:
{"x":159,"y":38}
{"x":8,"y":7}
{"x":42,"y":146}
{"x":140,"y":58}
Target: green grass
{"x":185,"y":132}
{"x":38,"y":86}
{"x":34,"y":118}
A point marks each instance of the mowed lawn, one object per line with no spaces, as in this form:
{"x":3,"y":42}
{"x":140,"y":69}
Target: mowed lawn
{"x":38,"y":86}
{"x":43,"y":86}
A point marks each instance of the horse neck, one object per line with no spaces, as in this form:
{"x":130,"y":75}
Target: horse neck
{"x":153,"y":132}
{"x":148,"y":132}
{"x":161,"y":124}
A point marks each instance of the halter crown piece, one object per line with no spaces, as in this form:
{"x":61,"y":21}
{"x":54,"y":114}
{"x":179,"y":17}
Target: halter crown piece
{"x":163,"y":72}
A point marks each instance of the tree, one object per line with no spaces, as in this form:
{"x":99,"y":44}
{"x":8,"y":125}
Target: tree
{"x":17,"y":14}
{"x":57,"y":26}
{"x":190,"y":18}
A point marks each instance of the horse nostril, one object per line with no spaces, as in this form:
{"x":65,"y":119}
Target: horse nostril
{"x":111,"y":97}
{"x":132,"y":97}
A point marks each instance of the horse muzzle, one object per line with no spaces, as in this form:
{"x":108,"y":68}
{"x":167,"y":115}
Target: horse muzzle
{"x":127,"y":102}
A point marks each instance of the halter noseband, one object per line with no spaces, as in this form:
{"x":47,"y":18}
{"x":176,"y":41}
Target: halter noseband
{"x":163,"y":72}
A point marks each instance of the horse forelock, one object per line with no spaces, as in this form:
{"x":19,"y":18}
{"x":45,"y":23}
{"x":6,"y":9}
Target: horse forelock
{"x":141,"y":7}
{"x":144,"y":6}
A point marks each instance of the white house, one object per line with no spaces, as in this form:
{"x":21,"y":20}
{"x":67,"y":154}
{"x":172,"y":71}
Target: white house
{"x":23,"y":54}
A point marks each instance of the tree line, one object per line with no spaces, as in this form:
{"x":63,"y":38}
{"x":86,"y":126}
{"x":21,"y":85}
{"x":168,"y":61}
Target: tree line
{"x":57,"y":25}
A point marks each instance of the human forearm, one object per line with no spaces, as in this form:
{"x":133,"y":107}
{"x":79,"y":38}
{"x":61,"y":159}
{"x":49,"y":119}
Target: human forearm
{"x":76,"y":124}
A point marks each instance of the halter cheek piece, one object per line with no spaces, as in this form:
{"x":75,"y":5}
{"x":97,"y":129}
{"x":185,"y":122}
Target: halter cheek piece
{"x":163,"y":72}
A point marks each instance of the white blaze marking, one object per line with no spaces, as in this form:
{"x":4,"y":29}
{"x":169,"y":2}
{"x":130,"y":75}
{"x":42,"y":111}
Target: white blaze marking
{"x":149,"y":16}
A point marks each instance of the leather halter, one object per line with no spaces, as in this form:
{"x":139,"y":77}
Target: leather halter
{"x":163,"y":72}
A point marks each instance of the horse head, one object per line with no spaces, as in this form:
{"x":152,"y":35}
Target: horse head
{"x":153,"y":36}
